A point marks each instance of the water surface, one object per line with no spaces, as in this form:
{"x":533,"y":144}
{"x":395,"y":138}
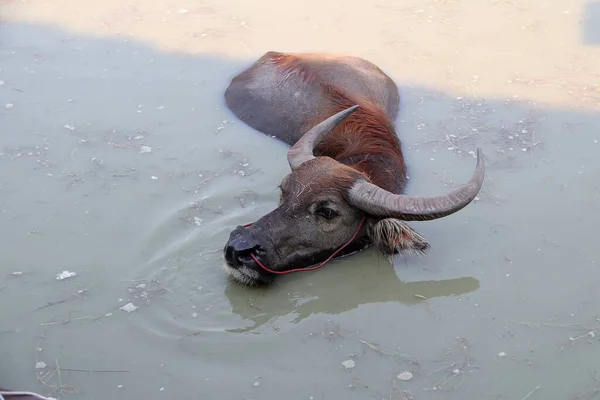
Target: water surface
{"x":121,"y":163}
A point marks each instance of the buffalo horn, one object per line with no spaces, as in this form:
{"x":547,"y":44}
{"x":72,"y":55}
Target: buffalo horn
{"x":302,"y":151}
{"x":376,"y":201}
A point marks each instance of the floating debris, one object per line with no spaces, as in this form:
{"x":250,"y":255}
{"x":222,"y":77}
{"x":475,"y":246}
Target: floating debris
{"x":9,"y":105}
{"x":65,"y":275}
{"x":154,"y":178}
{"x":145,"y":149}
{"x":40,"y":365}
{"x":129,"y":307}
{"x":70,"y":127}
{"x":349,"y":364}
{"x":17,"y":273}
{"x":501,"y":354}
{"x":405,"y":376}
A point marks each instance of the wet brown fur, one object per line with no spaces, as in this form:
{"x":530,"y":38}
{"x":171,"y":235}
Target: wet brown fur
{"x":331,"y":178}
{"x":365,"y":140}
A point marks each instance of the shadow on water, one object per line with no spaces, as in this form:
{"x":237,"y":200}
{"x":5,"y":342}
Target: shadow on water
{"x":338,"y":290}
{"x":80,"y":192}
{"x":591,"y":23}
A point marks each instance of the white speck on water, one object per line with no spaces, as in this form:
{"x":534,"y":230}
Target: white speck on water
{"x":120,"y":386}
{"x":141,"y":286}
{"x":17,"y":273}
{"x":65,"y":275}
{"x":183,"y":11}
{"x":501,"y":354}
{"x":256,"y":383}
{"x":154,"y":178}
{"x":197,"y":221}
{"x":9,"y":105}
{"x":129,"y":307}
{"x":349,"y":364}
{"x":1,"y":83}
{"x":70,"y":127}
{"x":592,"y":334}
{"x":405,"y":376}
{"x":195,"y":315}
{"x":40,"y":365}
{"x":138,"y":137}
{"x":456,"y":371}
{"x":145,"y":149}
{"x":161,"y":389}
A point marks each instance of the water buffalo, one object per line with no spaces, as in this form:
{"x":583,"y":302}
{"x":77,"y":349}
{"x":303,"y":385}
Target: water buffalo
{"x":20,"y":395}
{"x":345,"y":189}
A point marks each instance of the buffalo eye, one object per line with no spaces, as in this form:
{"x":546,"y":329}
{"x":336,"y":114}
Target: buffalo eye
{"x":326,"y":212}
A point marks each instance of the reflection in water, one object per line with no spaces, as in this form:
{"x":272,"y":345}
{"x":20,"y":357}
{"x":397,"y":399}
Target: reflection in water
{"x":336,"y":290}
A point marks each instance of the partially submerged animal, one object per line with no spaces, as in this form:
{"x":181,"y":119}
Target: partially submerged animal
{"x":20,"y":395}
{"x":345,"y":189}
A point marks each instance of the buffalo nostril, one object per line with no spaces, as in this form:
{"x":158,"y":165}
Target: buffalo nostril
{"x":229,"y":254}
{"x":242,"y":257}
{"x":240,"y":247}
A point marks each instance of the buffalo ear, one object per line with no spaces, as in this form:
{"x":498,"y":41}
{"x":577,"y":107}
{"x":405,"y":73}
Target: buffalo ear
{"x":392,"y":236}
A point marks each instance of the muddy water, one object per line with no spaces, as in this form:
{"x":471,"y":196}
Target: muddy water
{"x":120,"y":163}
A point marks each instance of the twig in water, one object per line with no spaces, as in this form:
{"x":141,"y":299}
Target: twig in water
{"x":94,"y":371}
{"x":58,"y":372}
{"x":50,"y":303}
{"x":572,"y":340}
{"x":395,"y":356}
{"x":575,"y":325}
{"x":61,"y":387}
{"x":63,"y":322}
{"x":431,"y":309}
{"x":531,"y":391}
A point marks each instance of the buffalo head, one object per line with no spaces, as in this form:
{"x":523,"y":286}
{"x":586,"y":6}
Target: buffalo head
{"x":322,"y":205}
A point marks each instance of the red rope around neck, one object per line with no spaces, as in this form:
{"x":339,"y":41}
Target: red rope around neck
{"x":310,"y":268}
